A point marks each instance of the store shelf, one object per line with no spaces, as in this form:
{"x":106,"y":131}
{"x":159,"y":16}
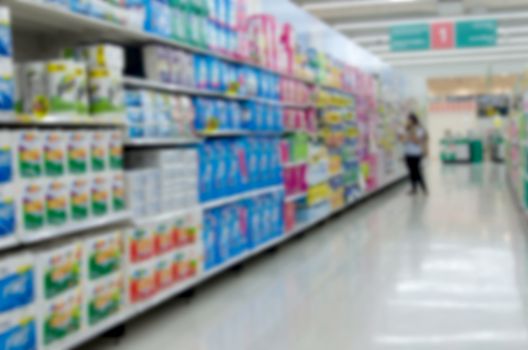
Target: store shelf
{"x":32,"y":16}
{"x":295,"y":197}
{"x":295,"y":164}
{"x":141,"y":221}
{"x":239,"y":197}
{"x":161,"y":142}
{"x":72,"y":229}
{"x":178,"y":289}
{"x":8,"y":243}
{"x":51,"y":120}
{"x":235,"y":133}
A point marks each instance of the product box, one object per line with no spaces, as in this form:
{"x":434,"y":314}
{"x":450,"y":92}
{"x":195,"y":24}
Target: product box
{"x":29,"y":154}
{"x":78,"y":147}
{"x":118,"y":192}
{"x":157,"y":63}
{"x":104,"y":56}
{"x":17,"y":282}
{"x":57,"y":202}
{"x":6,"y":156}
{"x":60,"y":269}
{"x":116,"y":150}
{"x":142,"y":282}
{"x":100,"y":195}
{"x":104,"y":298}
{"x":66,"y":87}
{"x":8,"y":212}
{"x":61,"y":318}
{"x":18,"y":330}
{"x":164,"y":240}
{"x":31,"y":82}
{"x":55,"y":152}
{"x":6,"y":47}
{"x":105,"y":86}
{"x":104,"y":254}
{"x":80,"y":198}
{"x":99,"y":157}
{"x":141,"y":244}
{"x":7,"y":86}
{"x":164,"y":272}
{"x":32,"y":207}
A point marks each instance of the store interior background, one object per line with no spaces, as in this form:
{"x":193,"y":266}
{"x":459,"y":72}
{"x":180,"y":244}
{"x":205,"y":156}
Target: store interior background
{"x":368,"y":24}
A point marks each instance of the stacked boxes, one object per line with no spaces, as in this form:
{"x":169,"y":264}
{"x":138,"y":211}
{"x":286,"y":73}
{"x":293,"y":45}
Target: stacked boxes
{"x":168,"y":65}
{"x":58,"y":178}
{"x":156,"y":115}
{"x":235,"y":228}
{"x":162,"y":181}
{"x":232,"y":166}
{"x":162,"y":255}
{"x":59,"y":285}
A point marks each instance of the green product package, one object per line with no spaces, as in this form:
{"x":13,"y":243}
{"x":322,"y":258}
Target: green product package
{"x":100,"y":196}
{"x":33,"y":206}
{"x":29,"y":154}
{"x":63,"y":318}
{"x":99,"y":310}
{"x":79,"y":199}
{"x":78,"y":149}
{"x":57,"y":195}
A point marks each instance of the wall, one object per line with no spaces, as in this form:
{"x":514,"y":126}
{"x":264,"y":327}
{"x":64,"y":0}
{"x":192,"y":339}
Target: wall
{"x":457,"y":122}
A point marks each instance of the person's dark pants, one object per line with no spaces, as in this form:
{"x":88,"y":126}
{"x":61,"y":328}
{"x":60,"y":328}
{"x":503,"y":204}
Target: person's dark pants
{"x":414,"y":164}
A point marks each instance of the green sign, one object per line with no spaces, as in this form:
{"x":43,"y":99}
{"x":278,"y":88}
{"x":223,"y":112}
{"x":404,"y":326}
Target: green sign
{"x":481,"y":33}
{"x":414,"y":37}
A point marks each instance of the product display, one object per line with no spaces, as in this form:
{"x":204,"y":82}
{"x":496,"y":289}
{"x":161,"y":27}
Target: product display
{"x":209,"y":134}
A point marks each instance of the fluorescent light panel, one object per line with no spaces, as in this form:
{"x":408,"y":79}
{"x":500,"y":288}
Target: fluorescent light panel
{"x":448,"y":60}
{"x":336,"y":5}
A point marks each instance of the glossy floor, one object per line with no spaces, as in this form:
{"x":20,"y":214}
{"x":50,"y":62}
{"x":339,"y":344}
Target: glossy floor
{"x":447,"y":272}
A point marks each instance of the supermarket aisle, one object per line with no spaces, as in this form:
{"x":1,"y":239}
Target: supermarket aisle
{"x":447,"y":272}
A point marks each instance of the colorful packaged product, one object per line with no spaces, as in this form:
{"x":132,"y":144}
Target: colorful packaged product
{"x":99,"y":151}
{"x":60,"y":269}
{"x":141,"y":243}
{"x":32,"y":207}
{"x":57,"y":202}
{"x":17,"y":285}
{"x":6,"y":156}
{"x":80,"y":198}
{"x":61,"y":317}
{"x":8,"y":212}
{"x":78,"y":152}
{"x":118,"y":192}
{"x":55,"y":152}
{"x":142,"y":282}
{"x":104,"y":254}
{"x":18,"y":330}
{"x":29,"y":154}
{"x":164,"y":272}
{"x":100,"y":195}
{"x":104,"y":298}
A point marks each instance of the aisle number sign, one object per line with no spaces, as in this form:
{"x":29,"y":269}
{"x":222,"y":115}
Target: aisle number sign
{"x":444,"y":35}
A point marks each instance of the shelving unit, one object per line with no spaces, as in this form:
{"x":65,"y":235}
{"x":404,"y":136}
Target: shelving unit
{"x":32,"y":18}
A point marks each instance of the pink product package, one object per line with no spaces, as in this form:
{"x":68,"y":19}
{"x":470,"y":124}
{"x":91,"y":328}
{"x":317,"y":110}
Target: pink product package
{"x":311,"y":120}
{"x":289,"y":216}
{"x":289,"y":186}
{"x":287,"y":49}
{"x":284,"y":148}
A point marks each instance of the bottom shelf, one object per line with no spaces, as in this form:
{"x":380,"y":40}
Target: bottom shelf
{"x":166,"y":295}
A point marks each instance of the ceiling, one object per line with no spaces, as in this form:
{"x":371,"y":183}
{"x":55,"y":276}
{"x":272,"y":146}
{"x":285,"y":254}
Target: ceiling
{"x":368,"y":22}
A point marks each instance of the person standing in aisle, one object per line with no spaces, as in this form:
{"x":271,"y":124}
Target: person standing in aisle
{"x":415,"y":141}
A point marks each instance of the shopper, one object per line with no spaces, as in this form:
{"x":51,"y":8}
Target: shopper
{"x":415,"y":141}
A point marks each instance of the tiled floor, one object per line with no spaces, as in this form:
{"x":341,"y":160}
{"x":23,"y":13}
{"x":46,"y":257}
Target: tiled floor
{"x":447,"y":272}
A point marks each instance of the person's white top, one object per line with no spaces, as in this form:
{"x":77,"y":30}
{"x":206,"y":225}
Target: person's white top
{"x":414,"y":149}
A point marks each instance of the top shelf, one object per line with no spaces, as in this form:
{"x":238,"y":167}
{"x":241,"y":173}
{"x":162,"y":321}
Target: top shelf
{"x":34,"y":17}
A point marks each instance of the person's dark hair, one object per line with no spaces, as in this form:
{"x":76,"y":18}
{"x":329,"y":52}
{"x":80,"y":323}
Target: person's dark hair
{"x":413,"y":118}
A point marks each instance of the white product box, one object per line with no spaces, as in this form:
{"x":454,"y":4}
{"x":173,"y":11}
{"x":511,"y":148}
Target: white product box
{"x":141,"y":282}
{"x":61,"y":319}
{"x":60,"y":269}
{"x":101,"y":192}
{"x":103,"y":254}
{"x":31,"y":206}
{"x":80,"y":202}
{"x":105,"y":56}
{"x":156,"y":60}
{"x":29,"y":154}
{"x":104,"y":298}
{"x":55,"y":143}
{"x":57,"y":202}
{"x":140,"y":244}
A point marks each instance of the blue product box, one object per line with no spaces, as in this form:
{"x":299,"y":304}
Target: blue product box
{"x":221,"y":114}
{"x":221,"y":159}
{"x":6,"y":44}
{"x":7,"y":213}
{"x":214,"y":73}
{"x":233,"y":180}
{"x":201,"y":71}
{"x":18,"y":332}
{"x":209,"y":239}
{"x":81,"y":6}
{"x":7,"y":91}
{"x":136,"y":131}
{"x":158,"y":17}
{"x":6,"y":164}
{"x":16,"y":286}
{"x":135,"y":115}
{"x":224,"y":234}
{"x":133,"y":98}
{"x":207,"y":171}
